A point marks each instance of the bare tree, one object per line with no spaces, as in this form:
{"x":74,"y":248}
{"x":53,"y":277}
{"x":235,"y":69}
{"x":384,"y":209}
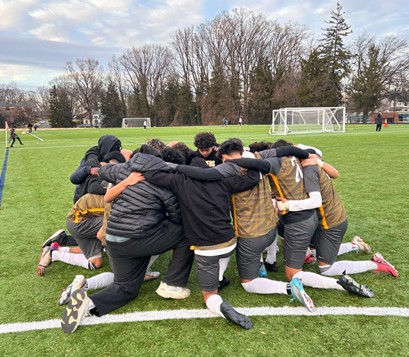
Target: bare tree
{"x":147,"y":67}
{"x":376,"y":67}
{"x":116,"y":75}
{"x":9,"y":93}
{"x":85,"y":79}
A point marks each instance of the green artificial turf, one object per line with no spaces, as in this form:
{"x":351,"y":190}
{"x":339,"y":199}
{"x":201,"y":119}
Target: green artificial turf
{"x":37,"y":196}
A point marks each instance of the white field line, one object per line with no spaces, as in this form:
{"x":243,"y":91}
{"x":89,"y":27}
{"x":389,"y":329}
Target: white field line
{"x":204,"y":313}
{"x":36,"y":136}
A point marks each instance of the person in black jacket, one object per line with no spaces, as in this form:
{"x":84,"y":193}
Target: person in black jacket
{"x":91,"y":162}
{"x":145,"y":220}
{"x":205,"y":210}
{"x":91,"y":184}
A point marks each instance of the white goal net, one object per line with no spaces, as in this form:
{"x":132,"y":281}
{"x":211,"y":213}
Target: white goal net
{"x":136,"y":122}
{"x":307,"y":120}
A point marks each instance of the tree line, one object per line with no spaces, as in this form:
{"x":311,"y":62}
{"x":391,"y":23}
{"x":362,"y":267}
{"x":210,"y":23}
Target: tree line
{"x":240,"y":64}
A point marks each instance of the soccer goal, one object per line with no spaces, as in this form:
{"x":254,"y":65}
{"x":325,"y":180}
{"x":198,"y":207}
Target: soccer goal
{"x":308,"y":120}
{"x":136,"y":122}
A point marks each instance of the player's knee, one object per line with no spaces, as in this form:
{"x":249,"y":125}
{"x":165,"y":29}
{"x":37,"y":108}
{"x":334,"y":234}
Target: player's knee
{"x":95,"y":262}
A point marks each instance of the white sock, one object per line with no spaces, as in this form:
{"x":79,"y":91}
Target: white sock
{"x":272,"y":252}
{"x":90,"y":305}
{"x":151,"y":261}
{"x":265,"y":286}
{"x":213,"y":304}
{"x":223,"y":263}
{"x":64,"y":249}
{"x":347,"y":247}
{"x":349,"y":267}
{"x":318,"y":281}
{"x":70,"y":258}
{"x":100,"y":281}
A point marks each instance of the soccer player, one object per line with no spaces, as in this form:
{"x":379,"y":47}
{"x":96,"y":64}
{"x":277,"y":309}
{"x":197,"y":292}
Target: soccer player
{"x":91,"y":162}
{"x":207,"y":148}
{"x":145,"y":220}
{"x":206,"y":219}
{"x":14,"y":136}
{"x":331,"y":230}
{"x":298,"y":213}
{"x":255,"y":221}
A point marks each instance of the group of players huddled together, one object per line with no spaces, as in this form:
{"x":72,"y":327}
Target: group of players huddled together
{"x":204,"y":205}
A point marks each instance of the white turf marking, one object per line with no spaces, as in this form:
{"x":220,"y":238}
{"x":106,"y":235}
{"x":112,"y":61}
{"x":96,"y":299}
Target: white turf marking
{"x":36,"y":136}
{"x":204,"y":313}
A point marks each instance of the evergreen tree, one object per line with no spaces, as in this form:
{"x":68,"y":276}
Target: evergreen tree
{"x":315,"y":86}
{"x":60,"y":109}
{"x":217,"y":99}
{"x":334,"y":55}
{"x":112,"y":108}
{"x":366,"y":86}
{"x":261,"y":92}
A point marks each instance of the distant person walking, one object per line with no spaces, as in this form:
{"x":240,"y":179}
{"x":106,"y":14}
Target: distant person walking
{"x":145,"y":124}
{"x":14,"y":136}
{"x":240,"y":121}
{"x":379,"y":122}
{"x":30,"y":128}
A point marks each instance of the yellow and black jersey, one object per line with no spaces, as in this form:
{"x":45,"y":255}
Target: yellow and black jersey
{"x":332,"y":211}
{"x":87,"y":206}
{"x":253,"y":211}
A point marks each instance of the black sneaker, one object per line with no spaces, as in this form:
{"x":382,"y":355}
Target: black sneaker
{"x":353,"y":287}
{"x":234,"y":316}
{"x":223,"y":283}
{"x":271,"y":267}
{"x":53,"y":238}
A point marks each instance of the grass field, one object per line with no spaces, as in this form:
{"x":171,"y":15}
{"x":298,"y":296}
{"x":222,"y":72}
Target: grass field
{"x":37,"y":196}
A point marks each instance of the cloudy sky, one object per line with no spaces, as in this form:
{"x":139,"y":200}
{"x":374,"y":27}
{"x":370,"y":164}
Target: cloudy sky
{"x":38,"y":37}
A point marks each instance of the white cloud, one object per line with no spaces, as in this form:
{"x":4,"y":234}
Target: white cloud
{"x":48,"y":33}
{"x":28,"y":76}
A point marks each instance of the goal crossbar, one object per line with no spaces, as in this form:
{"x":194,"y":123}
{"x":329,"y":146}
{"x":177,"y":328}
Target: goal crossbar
{"x":303,"y":120}
{"x":136,"y":122}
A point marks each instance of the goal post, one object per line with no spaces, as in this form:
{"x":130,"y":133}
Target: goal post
{"x":136,"y":122}
{"x":304,"y":120}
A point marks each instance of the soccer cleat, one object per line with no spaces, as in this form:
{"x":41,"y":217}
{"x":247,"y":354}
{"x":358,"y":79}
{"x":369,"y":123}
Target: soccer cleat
{"x":77,"y":283}
{"x":358,"y":241}
{"x":223,"y":283}
{"x":383,"y":265}
{"x":234,"y":316}
{"x":75,"y":312}
{"x":271,"y":267}
{"x":151,"y":275}
{"x":172,"y":292}
{"x":353,"y":287}
{"x":309,"y":259}
{"x":54,"y":237}
{"x":45,"y":261}
{"x":262,"y":272}
{"x":298,"y":293}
